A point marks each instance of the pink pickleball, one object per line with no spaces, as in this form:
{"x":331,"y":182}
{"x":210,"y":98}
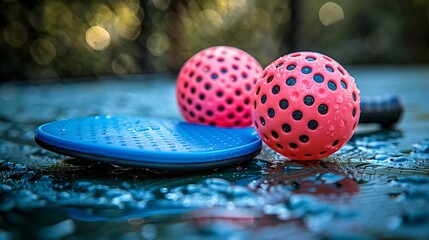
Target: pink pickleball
{"x":215,"y":85}
{"x":305,"y":106}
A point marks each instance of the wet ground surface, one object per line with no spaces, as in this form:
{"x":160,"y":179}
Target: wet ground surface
{"x":376,"y":187}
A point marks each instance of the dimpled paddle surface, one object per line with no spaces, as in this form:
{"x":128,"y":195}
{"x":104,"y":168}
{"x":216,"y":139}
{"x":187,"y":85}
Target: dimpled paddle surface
{"x":149,"y":142}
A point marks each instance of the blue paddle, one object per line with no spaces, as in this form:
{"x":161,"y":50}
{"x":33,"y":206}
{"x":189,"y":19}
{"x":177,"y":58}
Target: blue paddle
{"x":149,"y":142}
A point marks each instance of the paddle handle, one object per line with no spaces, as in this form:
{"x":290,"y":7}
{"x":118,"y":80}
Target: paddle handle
{"x":385,"y":110}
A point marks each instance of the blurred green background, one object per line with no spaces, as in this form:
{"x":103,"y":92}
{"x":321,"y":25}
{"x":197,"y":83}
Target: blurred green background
{"x":49,"y":39}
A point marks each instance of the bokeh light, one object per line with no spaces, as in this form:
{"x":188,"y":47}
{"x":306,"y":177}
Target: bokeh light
{"x":15,"y":34}
{"x":75,"y":38}
{"x":330,"y":13}
{"x":43,"y":51}
{"x":97,"y":38}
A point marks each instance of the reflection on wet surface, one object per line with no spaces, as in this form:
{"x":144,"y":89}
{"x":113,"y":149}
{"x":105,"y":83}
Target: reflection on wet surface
{"x":377,"y":186}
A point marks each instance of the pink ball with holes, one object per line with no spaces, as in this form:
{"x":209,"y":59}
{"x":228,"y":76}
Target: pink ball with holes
{"x":215,"y":85}
{"x":305,"y":106}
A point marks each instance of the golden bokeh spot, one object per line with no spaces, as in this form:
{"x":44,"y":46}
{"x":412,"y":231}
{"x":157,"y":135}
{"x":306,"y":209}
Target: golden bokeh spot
{"x":124,"y":64}
{"x":43,"y":51}
{"x":214,"y":17}
{"x":161,"y":4}
{"x":102,"y":14}
{"x":126,"y":7}
{"x":97,"y":38}
{"x":127,"y":27}
{"x":15,"y":34}
{"x":330,"y":13}
{"x":158,"y":44}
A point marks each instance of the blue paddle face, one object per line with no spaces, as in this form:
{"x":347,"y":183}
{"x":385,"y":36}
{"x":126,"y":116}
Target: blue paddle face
{"x":149,"y":142}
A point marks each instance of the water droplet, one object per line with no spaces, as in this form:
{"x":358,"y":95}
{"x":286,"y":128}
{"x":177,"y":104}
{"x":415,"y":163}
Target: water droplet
{"x":163,"y":190}
{"x":292,"y":167}
{"x":330,"y":178}
{"x":339,"y":99}
{"x":336,"y":106}
{"x":341,"y":124}
{"x":295,"y":95}
{"x":331,"y":128}
{"x":382,"y":157}
{"x":321,"y":92}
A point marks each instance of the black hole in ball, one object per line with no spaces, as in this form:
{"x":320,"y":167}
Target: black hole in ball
{"x":265,"y":136}
{"x":199,"y":79}
{"x":297,"y":115}
{"x":263,"y":98}
{"x":192,"y":114}
{"x":275,"y":134}
{"x":279,"y":65}
{"x":343,"y":84}
{"x":248,"y":87}
{"x":312,"y":124}
{"x":308,"y":100}
{"x":329,"y":68}
{"x":306,"y":70}
{"x":214,"y":76}
{"x":291,"y":81}
{"x":201,"y":119}
{"x":239,"y":109}
{"x":189,"y":101}
{"x":323,"y":152}
{"x":229,"y":101}
{"x":284,"y":104}
{"x":202,"y":96}
{"x":237,"y":92}
{"x":193,"y":90}
{"x":246,"y":101}
{"x":270,"y":79}
{"x":230,"y":116}
{"x":291,"y":67}
{"x":219,"y":93}
{"x":354,"y":96}
{"x":223,"y":70}
{"x":279,"y":145}
{"x":207,"y":86}
{"x":303,"y":138}
{"x":256,"y":124}
{"x":271,"y":113}
{"x":236,"y":123}
{"x":323,"y":109}
{"x":286,"y":128}
{"x":220,"y":108}
{"x":332,"y":85}
{"x":307,"y":155}
{"x":353,"y":112}
{"x":209,"y":113}
{"x":318,"y":78}
{"x":254,"y":104}
{"x":293,"y":145}
{"x":258,"y":90}
{"x":335,"y":142}
{"x":246,"y":115}
{"x":198,"y":107}
{"x":262,"y":121}
{"x":276,"y":89}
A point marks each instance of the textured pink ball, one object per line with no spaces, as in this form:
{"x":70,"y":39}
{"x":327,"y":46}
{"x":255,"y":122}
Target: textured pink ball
{"x":305,"y":106}
{"x":215,"y":85}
